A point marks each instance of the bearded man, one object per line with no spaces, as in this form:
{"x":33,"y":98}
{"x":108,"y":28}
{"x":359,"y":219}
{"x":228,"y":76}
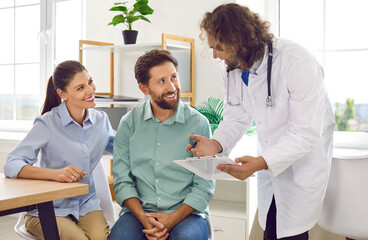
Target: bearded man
{"x":159,"y":199}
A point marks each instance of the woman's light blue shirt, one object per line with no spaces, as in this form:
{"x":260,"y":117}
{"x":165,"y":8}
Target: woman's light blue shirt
{"x":63,"y":142}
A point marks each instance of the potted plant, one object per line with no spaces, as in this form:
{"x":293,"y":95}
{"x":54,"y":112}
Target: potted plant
{"x":130,"y":15}
{"x":212,"y":109}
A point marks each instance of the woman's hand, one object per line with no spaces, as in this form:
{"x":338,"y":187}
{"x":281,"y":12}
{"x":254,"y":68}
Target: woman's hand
{"x":68,"y":174}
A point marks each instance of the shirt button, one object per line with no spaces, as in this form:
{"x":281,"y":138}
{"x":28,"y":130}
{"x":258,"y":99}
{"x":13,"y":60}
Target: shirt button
{"x":254,"y":98}
{"x":159,"y":198}
{"x":259,"y":122}
{"x":157,"y":164}
{"x":266,"y":141}
{"x":157,"y":181}
{"x":161,"y":124}
{"x":158,"y":144}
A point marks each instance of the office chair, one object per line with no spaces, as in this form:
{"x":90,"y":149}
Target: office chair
{"x":103,"y":192}
{"x":209,"y":223}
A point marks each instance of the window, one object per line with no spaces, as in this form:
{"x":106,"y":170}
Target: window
{"x":334,"y":30}
{"x":37,"y":35}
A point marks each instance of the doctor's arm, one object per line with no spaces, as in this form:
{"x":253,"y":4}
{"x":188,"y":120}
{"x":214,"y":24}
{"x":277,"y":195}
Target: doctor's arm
{"x":248,"y":166}
{"x":204,"y":146}
{"x":236,"y":122}
{"x":307,"y":111}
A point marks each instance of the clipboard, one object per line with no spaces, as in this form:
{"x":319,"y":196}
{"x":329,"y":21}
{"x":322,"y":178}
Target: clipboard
{"x":205,"y":167}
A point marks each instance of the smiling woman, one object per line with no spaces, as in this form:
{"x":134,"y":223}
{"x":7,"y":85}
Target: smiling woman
{"x":72,"y":138}
{"x":72,"y":84}
{"x":78,"y":95}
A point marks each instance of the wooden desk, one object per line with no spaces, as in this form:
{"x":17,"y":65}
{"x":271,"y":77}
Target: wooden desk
{"x":20,"y":195}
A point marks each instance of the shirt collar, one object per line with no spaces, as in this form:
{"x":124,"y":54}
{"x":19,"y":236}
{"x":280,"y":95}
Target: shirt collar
{"x":263,"y":64}
{"x":89,"y":118}
{"x":177,"y":117}
{"x":255,"y":66}
{"x":66,"y":118}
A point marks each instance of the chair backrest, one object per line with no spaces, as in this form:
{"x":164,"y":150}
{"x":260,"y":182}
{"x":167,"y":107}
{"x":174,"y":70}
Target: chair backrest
{"x":209,"y":223}
{"x":103,"y":192}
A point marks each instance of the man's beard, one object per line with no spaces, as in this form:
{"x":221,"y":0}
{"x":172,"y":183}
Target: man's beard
{"x":162,"y":103}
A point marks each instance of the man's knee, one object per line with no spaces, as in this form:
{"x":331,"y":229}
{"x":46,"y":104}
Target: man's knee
{"x":193,"y":227}
{"x":127,"y":227}
{"x":189,"y":235}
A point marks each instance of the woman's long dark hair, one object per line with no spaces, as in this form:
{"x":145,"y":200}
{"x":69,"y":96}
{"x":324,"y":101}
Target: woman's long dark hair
{"x":61,"y":77}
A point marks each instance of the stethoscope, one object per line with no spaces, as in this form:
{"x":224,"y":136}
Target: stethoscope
{"x":269,"y":101}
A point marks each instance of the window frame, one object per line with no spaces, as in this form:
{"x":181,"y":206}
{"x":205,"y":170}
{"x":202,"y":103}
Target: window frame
{"x":342,"y":139}
{"x":47,"y":63}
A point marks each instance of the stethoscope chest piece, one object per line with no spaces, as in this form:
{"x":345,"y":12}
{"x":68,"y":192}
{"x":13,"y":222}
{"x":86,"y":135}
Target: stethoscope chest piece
{"x":269,"y":102}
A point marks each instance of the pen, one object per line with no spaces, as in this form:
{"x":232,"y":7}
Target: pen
{"x":194,"y":144}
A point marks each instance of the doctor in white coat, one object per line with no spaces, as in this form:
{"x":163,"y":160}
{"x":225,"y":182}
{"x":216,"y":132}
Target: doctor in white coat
{"x":293,"y":116}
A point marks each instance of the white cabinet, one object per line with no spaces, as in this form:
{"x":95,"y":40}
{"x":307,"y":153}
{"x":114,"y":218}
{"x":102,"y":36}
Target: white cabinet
{"x":233,"y":208}
{"x":229,"y":228}
{"x":234,"y":204}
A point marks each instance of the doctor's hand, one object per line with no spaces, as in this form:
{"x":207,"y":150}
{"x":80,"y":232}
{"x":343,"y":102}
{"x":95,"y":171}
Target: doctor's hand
{"x":204,"y":146}
{"x":248,"y":166}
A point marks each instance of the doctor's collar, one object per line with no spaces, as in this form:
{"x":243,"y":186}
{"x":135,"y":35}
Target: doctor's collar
{"x":263,"y":62}
{"x":254,"y":68}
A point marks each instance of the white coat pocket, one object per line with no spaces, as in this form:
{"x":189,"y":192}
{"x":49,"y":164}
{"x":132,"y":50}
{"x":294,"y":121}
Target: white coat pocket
{"x":311,"y":170}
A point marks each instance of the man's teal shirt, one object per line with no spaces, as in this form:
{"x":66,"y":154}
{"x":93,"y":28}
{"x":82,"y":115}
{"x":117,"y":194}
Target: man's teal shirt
{"x":143,"y":167}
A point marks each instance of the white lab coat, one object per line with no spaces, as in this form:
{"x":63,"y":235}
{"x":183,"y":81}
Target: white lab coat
{"x":294,"y":136}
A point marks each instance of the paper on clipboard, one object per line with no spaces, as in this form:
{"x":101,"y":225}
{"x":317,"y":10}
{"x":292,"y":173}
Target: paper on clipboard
{"x":205,"y":167}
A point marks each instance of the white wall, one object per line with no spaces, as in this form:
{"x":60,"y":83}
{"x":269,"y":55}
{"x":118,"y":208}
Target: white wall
{"x":178,"y":17}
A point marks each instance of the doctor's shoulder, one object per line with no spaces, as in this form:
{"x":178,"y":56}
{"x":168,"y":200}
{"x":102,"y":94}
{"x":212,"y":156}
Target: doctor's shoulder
{"x":292,"y":52}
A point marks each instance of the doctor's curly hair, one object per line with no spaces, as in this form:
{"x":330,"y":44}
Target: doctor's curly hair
{"x":243,"y":32}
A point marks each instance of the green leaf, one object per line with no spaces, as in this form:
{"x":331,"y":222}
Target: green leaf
{"x":142,"y":7}
{"x":128,"y":15}
{"x":130,"y":19}
{"x":120,"y":3}
{"x":213,"y":127}
{"x":118,"y":8}
{"x":213,"y":109}
{"x":142,"y":1}
{"x":117,"y":19}
{"x":251,"y":131}
{"x":144,"y":18}
{"x":132,"y":12}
